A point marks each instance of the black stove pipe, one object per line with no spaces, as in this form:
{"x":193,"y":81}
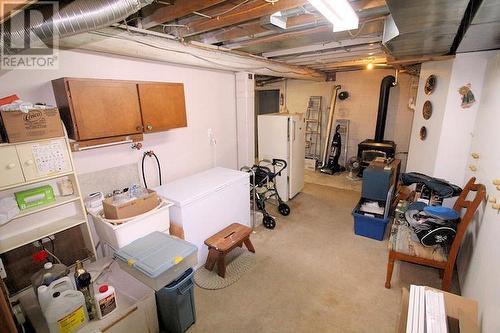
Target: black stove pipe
{"x":387,"y":83}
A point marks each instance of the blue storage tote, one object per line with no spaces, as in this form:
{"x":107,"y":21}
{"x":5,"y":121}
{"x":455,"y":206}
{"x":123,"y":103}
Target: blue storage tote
{"x":368,"y":226}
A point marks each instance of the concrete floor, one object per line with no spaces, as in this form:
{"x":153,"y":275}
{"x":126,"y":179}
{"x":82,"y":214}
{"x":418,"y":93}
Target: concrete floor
{"x":338,"y":180}
{"x":312,"y":275}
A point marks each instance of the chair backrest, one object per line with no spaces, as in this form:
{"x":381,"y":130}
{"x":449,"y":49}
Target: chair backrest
{"x":470,"y":207}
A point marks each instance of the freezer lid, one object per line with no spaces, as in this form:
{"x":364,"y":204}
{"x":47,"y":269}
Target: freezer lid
{"x":155,"y":253}
{"x":186,"y":190}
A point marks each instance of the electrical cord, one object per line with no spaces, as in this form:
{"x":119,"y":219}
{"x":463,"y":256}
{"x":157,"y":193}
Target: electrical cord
{"x":150,"y":154}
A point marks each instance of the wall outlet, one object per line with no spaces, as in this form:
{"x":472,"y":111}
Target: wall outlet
{"x":3,"y":273}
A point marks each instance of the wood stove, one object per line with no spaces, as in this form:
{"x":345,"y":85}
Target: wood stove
{"x":370,"y":149}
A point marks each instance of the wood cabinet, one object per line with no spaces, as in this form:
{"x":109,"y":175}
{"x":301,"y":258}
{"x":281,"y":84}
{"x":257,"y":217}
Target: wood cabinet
{"x":162,"y":106}
{"x":101,"y":111}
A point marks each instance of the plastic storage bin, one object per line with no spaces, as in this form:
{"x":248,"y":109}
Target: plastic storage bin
{"x":157,"y":259}
{"x":128,"y":230}
{"x":368,"y":226}
{"x":175,"y":304}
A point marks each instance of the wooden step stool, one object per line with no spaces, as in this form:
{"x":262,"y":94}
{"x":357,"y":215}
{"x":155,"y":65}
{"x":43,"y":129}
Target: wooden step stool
{"x":224,"y":242}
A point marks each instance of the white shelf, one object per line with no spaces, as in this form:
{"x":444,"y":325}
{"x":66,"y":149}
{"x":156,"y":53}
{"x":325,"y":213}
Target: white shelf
{"x":38,"y":180}
{"x":28,"y":236}
{"x":59,"y":202}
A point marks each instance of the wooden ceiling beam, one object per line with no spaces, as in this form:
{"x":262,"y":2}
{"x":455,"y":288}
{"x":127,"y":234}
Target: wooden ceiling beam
{"x":249,"y":11}
{"x":178,"y":9}
{"x":254,"y":28}
{"x":12,"y":6}
{"x":296,"y":34}
{"x":359,"y":62}
{"x":418,"y":60}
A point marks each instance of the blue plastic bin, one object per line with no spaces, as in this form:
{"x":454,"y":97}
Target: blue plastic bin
{"x":175,"y":304}
{"x":367,"y":226}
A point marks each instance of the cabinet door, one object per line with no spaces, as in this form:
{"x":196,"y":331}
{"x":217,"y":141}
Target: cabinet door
{"x":162,"y":105}
{"x":10,"y":168}
{"x":105,"y":108}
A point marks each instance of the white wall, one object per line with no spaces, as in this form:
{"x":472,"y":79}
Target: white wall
{"x":362,"y":105}
{"x":444,"y":152}
{"x":210,"y":103}
{"x":478,"y":264}
{"x":422,"y":154}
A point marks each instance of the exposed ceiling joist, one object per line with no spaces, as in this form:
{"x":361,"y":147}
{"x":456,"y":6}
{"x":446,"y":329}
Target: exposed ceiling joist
{"x":251,"y":10}
{"x":324,"y":46}
{"x":417,"y":60}
{"x":6,"y":7}
{"x":340,"y":64}
{"x":178,"y":9}
{"x":314,"y":33}
{"x":339,"y":56}
{"x":255,"y":29}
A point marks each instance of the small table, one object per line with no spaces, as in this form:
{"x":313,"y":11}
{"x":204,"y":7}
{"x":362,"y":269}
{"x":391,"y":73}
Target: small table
{"x":224,"y":242}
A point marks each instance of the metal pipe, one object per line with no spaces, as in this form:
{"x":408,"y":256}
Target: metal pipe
{"x":77,"y":17}
{"x":333,"y":103}
{"x":387,"y":83}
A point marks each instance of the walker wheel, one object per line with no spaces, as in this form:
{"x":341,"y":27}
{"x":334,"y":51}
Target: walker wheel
{"x":284,"y":209}
{"x":269,"y":222}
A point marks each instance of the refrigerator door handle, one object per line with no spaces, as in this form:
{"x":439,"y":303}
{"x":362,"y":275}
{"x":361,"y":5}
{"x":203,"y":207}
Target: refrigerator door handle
{"x":294,"y":122}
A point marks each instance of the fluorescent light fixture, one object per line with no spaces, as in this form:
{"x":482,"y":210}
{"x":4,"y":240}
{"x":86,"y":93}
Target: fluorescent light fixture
{"x":339,"y":12}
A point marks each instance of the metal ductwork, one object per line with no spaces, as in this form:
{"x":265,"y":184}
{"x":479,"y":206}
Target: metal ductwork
{"x":77,"y":17}
{"x":383,"y":101}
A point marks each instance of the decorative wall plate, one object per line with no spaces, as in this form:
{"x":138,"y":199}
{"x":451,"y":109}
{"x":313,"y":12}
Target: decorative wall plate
{"x":430,"y":84}
{"x":423,"y":133}
{"x":427,"y":110}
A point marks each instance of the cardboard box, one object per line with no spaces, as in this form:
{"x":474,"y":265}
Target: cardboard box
{"x":130,"y":208}
{"x":37,"y":124}
{"x":461,"y":312}
{"x":310,"y":164}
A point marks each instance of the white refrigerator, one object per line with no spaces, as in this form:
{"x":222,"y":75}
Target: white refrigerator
{"x":282,"y":135}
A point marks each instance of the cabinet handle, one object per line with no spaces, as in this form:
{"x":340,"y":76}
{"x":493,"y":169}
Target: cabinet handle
{"x":30,"y":162}
{"x":11,"y":166}
{"x":149,"y":127}
{"x":139,"y":128}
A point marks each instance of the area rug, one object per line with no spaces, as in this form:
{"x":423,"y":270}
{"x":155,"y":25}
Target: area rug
{"x":238,"y":262}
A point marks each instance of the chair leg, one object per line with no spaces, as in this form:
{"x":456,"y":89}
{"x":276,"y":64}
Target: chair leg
{"x":390,"y":268}
{"x":446,"y":284}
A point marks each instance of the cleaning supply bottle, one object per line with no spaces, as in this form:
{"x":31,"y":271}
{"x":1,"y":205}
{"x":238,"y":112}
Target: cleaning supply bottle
{"x":45,"y":293}
{"x":66,"y":312}
{"x":105,"y":301}
{"x":79,"y":270}
{"x":49,"y":273}
{"x":84,"y":284}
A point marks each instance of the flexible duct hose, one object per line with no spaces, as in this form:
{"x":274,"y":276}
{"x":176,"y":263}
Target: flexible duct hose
{"x":77,"y":17}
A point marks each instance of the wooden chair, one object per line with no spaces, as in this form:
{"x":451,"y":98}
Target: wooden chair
{"x":402,"y":247}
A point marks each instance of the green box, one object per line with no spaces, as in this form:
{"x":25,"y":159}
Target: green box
{"x":35,"y":197}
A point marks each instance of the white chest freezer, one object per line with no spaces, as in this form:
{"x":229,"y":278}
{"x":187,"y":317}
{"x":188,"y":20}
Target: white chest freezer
{"x":207,"y":202}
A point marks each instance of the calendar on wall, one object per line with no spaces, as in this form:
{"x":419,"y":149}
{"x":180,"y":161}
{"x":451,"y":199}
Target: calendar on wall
{"x":49,"y":157}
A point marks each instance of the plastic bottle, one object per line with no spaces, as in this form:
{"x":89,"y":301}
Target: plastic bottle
{"x":67,"y":312}
{"x":49,"y":273}
{"x":105,"y":301}
{"x":45,"y":293}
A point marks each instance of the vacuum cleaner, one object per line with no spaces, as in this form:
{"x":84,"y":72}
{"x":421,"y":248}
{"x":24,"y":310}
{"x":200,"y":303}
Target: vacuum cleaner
{"x":333,"y":166}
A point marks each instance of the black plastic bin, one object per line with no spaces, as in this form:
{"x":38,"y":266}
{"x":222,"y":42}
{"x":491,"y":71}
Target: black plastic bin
{"x":175,"y":304}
